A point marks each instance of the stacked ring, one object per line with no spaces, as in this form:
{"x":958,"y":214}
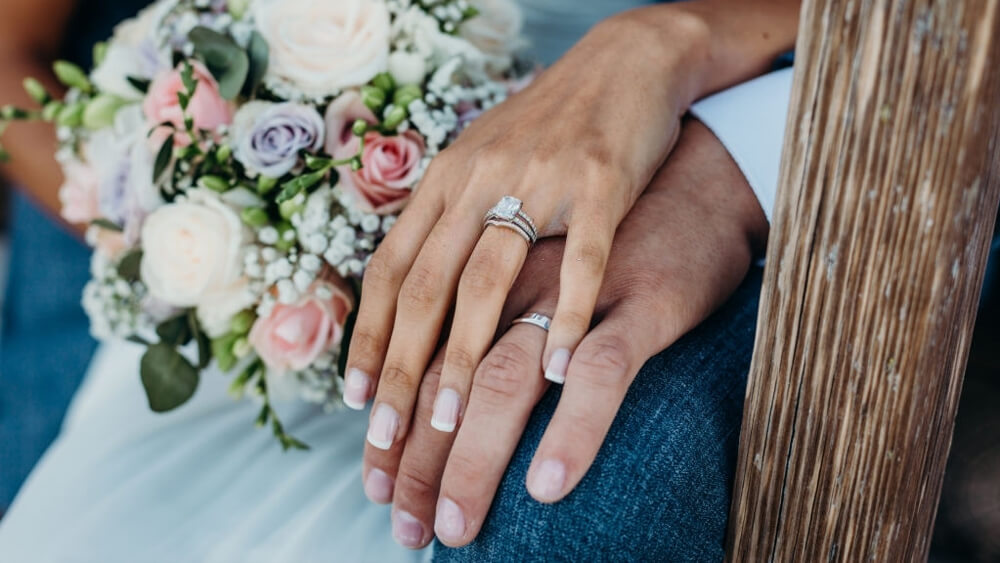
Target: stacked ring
{"x":508,"y":214}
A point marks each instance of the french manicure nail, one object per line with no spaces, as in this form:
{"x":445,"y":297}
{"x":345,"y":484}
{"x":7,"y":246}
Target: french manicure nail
{"x":382,"y":430}
{"x":357,"y":387}
{"x":547,"y":482}
{"x":558,"y":363}
{"x":378,"y":487}
{"x":407,"y":530}
{"x":445,"y":410}
{"x":449,"y":525}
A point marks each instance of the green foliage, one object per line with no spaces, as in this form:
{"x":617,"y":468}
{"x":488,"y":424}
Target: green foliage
{"x":140,"y":84}
{"x":72,"y":75}
{"x":168,"y":377}
{"x":106,"y":225}
{"x":128,"y":267}
{"x":163,"y":158}
{"x":228,"y":63}
{"x":260,"y":57}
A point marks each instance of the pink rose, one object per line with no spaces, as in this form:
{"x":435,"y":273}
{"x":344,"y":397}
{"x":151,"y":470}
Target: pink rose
{"x":391,"y":168}
{"x":294,"y":336}
{"x":207,"y":108}
{"x":111,"y":244}
{"x":340,"y":117}
{"x":78,"y":193}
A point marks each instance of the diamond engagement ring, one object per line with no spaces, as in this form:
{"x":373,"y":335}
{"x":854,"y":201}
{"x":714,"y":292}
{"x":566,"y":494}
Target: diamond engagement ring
{"x":537,"y":319}
{"x":507,"y":213}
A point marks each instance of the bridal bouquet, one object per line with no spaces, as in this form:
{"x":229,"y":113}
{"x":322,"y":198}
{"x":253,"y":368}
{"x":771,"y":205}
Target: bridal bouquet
{"x":239,"y":161}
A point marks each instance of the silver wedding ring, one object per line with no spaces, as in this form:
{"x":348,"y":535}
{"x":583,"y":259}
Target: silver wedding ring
{"x":508,"y":214}
{"x":537,"y":319}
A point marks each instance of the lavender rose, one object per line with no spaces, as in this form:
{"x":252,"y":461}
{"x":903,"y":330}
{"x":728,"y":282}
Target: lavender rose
{"x":269,"y":136}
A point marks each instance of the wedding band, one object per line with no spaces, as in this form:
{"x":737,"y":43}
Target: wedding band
{"x":537,"y":319}
{"x":508,"y":214}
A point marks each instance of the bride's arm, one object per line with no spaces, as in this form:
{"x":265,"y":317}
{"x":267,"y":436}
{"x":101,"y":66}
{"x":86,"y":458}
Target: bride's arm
{"x":30,"y":33}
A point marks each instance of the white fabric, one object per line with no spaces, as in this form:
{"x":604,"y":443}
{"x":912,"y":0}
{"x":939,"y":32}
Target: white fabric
{"x":749,"y":119}
{"x":122,"y":484}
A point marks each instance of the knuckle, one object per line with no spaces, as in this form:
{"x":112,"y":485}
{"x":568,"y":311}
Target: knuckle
{"x":461,"y":360}
{"x":414,"y":483}
{"x":366,"y":343}
{"x":381,"y":271}
{"x":421,"y":290}
{"x":399,"y":377}
{"x":576,"y":321}
{"x":465,"y":466}
{"x":480,"y":279}
{"x":591,"y":256}
{"x":604,"y":362}
{"x":503,"y":375}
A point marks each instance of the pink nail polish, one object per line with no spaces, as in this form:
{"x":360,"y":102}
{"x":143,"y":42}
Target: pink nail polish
{"x":378,"y":487}
{"x":383,"y":427}
{"x":446,"y":408}
{"x":547,"y":481}
{"x":558,"y":364}
{"x":449,"y":525}
{"x":407,"y":530}
{"x":357,"y":388}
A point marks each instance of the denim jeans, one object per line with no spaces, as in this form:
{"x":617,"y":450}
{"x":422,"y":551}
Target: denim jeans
{"x":660,"y":487}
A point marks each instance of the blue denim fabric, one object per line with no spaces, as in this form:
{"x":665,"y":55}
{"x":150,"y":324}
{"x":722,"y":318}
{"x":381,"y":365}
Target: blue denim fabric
{"x":45,"y":346}
{"x":660,"y":487}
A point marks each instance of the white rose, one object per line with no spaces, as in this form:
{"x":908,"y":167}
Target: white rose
{"x":321,"y":47}
{"x":192,"y":250}
{"x":407,"y":68}
{"x":215,"y":314}
{"x":497,"y":29}
{"x":132,"y":52}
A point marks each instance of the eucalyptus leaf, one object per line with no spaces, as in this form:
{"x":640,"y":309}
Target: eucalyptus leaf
{"x":168,"y":377}
{"x":140,"y":84}
{"x":163,"y":158}
{"x":175,"y":331}
{"x":228,"y":63}
{"x":259,"y":54}
{"x":128,"y":268}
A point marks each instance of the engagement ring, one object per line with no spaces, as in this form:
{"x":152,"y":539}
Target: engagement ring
{"x":508,"y":214}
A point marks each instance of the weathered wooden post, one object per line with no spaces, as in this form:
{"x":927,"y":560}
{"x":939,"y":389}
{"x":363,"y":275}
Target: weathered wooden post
{"x":889,"y":191}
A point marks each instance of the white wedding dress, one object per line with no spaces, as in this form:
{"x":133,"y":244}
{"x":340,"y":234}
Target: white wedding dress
{"x":201,"y":484}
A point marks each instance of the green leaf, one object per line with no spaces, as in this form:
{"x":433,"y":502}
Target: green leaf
{"x":204,"y":343}
{"x":227,"y":62}
{"x":163,"y":158}
{"x":294,"y":187}
{"x":140,"y":84}
{"x":128,"y":268}
{"x":187,"y":78}
{"x":259,"y":54}
{"x":106,"y":225}
{"x":168,"y":377}
{"x":175,"y":331}
{"x":222,"y":351}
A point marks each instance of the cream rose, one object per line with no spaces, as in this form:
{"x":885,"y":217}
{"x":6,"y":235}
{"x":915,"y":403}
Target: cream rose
{"x":192,"y":250}
{"x":321,"y":47}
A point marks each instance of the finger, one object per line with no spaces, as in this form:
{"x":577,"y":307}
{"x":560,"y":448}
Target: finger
{"x":483,"y":289}
{"x":424,"y":301}
{"x":588,"y":245}
{"x":383,"y":277}
{"x":380,"y":482}
{"x":507,"y":386}
{"x":419,"y":474}
{"x":600,"y":373}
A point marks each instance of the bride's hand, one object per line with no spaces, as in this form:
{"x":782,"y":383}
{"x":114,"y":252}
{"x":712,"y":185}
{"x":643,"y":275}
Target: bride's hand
{"x":577,"y":147}
{"x":681,"y":251}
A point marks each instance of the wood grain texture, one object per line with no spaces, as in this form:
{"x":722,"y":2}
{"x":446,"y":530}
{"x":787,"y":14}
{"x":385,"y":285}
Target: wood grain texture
{"x":888,"y":195}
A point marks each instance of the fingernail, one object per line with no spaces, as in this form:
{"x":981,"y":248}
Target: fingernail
{"x":378,"y":487}
{"x":556,"y":372}
{"x":407,"y":530}
{"x":382,"y":430}
{"x":445,"y":411}
{"x":449,"y":525}
{"x":546,"y":483}
{"x":357,"y":387}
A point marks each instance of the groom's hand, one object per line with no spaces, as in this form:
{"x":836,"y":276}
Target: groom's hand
{"x":680,"y":253}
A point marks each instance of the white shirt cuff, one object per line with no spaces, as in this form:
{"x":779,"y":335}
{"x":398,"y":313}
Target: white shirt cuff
{"x":749,"y":120}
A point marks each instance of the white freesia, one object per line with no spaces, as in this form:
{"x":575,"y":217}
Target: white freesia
{"x":192,"y":250}
{"x":132,"y":52}
{"x":321,"y":47}
{"x":215,"y":314}
{"x":407,"y":68}
{"x":497,"y":29}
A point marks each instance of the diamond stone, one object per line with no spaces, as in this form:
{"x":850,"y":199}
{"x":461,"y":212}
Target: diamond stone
{"x":508,"y":208}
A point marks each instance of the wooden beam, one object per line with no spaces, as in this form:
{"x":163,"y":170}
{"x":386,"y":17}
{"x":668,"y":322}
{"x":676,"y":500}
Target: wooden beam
{"x":889,"y":188}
